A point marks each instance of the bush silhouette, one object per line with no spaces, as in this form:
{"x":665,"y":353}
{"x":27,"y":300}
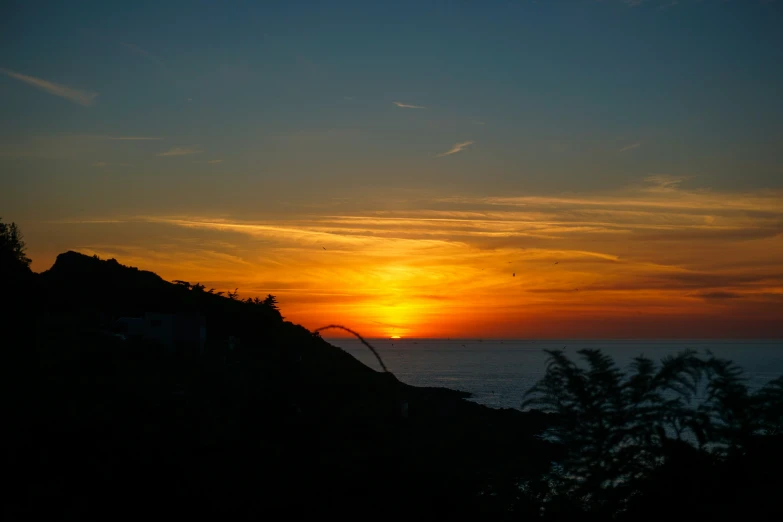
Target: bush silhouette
{"x":620,"y":430}
{"x":13,"y":251}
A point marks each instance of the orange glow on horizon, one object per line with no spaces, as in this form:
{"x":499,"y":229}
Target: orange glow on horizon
{"x":653,"y":261}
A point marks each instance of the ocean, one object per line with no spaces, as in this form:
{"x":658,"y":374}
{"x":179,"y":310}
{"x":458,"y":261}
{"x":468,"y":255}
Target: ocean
{"x":499,"y":372}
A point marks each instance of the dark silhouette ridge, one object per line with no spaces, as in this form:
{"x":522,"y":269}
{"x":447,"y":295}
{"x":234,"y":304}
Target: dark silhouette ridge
{"x":269,"y":420}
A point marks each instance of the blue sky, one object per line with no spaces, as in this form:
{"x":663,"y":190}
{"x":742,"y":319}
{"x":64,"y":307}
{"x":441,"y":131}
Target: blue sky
{"x":555,"y":95}
{"x":291,"y":110}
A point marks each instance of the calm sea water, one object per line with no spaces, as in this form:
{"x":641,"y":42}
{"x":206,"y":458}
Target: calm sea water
{"x":498,"y":373}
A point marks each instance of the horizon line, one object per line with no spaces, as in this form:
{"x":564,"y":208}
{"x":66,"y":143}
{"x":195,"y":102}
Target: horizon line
{"x":570,"y":339}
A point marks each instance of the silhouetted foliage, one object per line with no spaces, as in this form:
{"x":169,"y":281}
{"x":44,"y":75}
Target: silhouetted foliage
{"x":13,"y":252}
{"x":619,"y":430}
{"x":770,"y":414}
{"x":271,"y":301}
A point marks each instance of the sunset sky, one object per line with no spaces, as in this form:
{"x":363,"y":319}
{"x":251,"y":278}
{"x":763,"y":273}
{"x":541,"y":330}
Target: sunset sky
{"x":555,"y":169}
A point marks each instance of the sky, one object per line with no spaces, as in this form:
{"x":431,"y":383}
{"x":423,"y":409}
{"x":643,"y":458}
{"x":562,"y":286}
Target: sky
{"x":493,"y":169}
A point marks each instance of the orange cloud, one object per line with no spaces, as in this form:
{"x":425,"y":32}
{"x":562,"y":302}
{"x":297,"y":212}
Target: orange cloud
{"x":650,"y":260}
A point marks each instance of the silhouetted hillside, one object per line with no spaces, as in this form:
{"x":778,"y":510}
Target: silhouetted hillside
{"x":108,"y":289}
{"x":267,"y":419}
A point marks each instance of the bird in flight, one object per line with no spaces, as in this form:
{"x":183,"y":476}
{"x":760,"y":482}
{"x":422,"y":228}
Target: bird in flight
{"x":514,"y":274}
{"x":556,"y":262}
{"x":323,"y":247}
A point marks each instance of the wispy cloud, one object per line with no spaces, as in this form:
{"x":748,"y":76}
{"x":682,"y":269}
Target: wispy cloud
{"x":718,"y":295}
{"x":148,"y":55}
{"x":132,"y":138}
{"x":458,"y":147}
{"x":408,"y":106}
{"x":697,"y":256}
{"x":215,"y":161}
{"x":180,"y":151}
{"x":631,"y":146}
{"x":85,"y":98}
{"x":664,"y":182}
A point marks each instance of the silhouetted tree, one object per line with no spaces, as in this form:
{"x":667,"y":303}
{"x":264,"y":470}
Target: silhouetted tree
{"x":769,"y":406}
{"x":271,"y":302}
{"x":13,"y":251}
